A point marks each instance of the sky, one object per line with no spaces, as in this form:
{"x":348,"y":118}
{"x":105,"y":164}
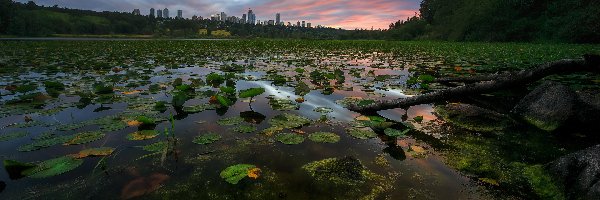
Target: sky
{"x":347,"y":14}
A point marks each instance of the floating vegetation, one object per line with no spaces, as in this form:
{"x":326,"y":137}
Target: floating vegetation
{"x":207,"y":138}
{"x":45,"y":143}
{"x":198,"y":108}
{"x":85,"y":137}
{"x":230,"y":121}
{"x":44,"y":169}
{"x":289,"y":138}
{"x":244,"y":129}
{"x":13,"y":135}
{"x":342,"y":171}
{"x":142,"y":135}
{"x":395,"y":133}
{"x":234,"y":174}
{"x":252,"y":92}
{"x":101,"y":151}
{"x":282,"y":104}
{"x":156,"y":147}
{"x":324,"y":137}
{"x":361,"y":132}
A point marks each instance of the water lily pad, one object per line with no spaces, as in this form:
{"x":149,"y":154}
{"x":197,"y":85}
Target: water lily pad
{"x":395,"y":133}
{"x":361,"y":132}
{"x":244,"y":129}
{"x":234,"y":174}
{"x":338,"y":171}
{"x":102,"y":151}
{"x":142,"y":135}
{"x":288,"y":120}
{"x":289,"y":138}
{"x":13,"y":135}
{"x":230,"y":121}
{"x":252,"y":92}
{"x":323,"y":110}
{"x":324,"y":137}
{"x":283,"y":104}
{"x":156,"y":147}
{"x":85,"y":137}
{"x":45,"y":143}
{"x":198,"y":108}
{"x":207,"y":138}
{"x":53,"y":167}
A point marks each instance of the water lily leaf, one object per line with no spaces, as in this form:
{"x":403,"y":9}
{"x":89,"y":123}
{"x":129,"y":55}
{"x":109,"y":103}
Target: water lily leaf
{"x":198,"y":108}
{"x":252,"y":92}
{"x":283,"y":104}
{"x":244,"y":129}
{"x":234,"y":174}
{"x":224,"y":101}
{"x":156,"y":147}
{"x":324,"y":137}
{"x":13,"y":135}
{"x":395,"y":133}
{"x":361,"y":132}
{"x":85,"y":137}
{"x":45,"y":143}
{"x":15,"y":168}
{"x":230,"y":121}
{"x":289,"y":138}
{"x":142,"y":135}
{"x":102,"y":151}
{"x":53,"y":167}
{"x":288,"y":120}
{"x":207,"y":138}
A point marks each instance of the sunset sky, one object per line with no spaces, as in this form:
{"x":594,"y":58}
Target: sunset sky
{"x":347,"y":14}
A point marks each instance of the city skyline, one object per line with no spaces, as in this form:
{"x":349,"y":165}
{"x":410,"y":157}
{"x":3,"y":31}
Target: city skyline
{"x":347,"y":14}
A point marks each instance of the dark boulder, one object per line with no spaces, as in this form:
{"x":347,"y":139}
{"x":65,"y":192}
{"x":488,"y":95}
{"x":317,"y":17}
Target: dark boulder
{"x":579,"y":173}
{"x":588,"y":109}
{"x":548,"y":106}
{"x":474,"y":118}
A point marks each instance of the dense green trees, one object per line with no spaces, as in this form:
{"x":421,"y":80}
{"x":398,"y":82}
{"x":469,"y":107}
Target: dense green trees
{"x":500,"y":20}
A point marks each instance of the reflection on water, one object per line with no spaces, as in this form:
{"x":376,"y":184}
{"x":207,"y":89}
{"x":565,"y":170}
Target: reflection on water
{"x":185,"y":169}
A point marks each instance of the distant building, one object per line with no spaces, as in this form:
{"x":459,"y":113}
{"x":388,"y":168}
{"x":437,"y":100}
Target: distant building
{"x":159,"y":13}
{"x":303,"y":24}
{"x":271,"y":22}
{"x":289,"y":23}
{"x":223,"y":17}
{"x":136,"y":12}
{"x":278,"y":18}
{"x":244,"y":20}
{"x":151,"y":13}
{"x":298,"y":24}
{"x":309,"y":25}
{"x":180,"y":14}
{"x":166,"y":13}
{"x":251,"y":17}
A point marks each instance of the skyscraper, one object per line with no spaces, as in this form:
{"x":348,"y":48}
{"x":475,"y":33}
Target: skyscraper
{"x":136,"y":11}
{"x":159,"y":13}
{"x":277,"y":18}
{"x":223,"y":16}
{"x":303,"y":24}
{"x":244,"y":19}
{"x":180,"y":14}
{"x":251,"y":17}
{"x":309,"y":25}
{"x":151,"y":12}
{"x":166,"y":13}
{"x":298,"y":24}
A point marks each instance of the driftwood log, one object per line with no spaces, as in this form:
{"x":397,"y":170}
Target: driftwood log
{"x":485,"y":84}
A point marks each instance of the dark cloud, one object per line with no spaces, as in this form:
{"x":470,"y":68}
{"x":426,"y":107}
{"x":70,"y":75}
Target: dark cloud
{"x":347,"y":14}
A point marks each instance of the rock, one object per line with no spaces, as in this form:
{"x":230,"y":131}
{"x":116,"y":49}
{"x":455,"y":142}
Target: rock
{"x":548,"y":106}
{"x":587,"y":109}
{"x":579,"y":173}
{"x":474,"y":118}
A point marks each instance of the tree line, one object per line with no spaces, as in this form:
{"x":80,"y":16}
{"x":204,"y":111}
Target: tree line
{"x":572,"y":21}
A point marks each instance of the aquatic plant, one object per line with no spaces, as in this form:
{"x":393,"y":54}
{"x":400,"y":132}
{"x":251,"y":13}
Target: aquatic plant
{"x":235,"y":173}
{"x":289,"y":138}
{"x":324,"y":137}
{"x":207,"y":138}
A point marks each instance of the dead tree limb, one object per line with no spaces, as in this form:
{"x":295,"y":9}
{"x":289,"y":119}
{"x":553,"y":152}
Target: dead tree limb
{"x":590,"y":63}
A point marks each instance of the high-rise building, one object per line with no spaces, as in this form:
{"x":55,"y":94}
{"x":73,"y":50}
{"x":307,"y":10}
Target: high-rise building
{"x":136,"y":12}
{"x":180,"y":14}
{"x":166,"y":13}
{"x":309,"y":25}
{"x":251,"y":17}
{"x":271,"y":22}
{"x":151,"y":12}
{"x":303,"y":24}
{"x":277,"y":18}
{"x":298,"y":24}
{"x":244,"y":20}
{"x":159,"y":13}
{"x":223,"y":17}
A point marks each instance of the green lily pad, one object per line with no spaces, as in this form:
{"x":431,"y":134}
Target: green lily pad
{"x":324,"y":137}
{"x":142,"y":135}
{"x":234,"y":174}
{"x":198,"y":108}
{"x":252,"y":92}
{"x":45,"y":143}
{"x":156,"y":147}
{"x":101,"y":151}
{"x":85,"y":137}
{"x":207,"y":138}
{"x":289,"y":138}
{"x":288,"y":120}
{"x":323,"y":110}
{"x":283,"y":104}
{"x":230,"y":121}
{"x":361,"y":132}
{"x":53,"y":167}
{"x":395,"y":133}
{"x":13,"y":135}
{"x":245,"y":129}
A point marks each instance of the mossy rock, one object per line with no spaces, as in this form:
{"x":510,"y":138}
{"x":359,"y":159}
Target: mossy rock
{"x":474,"y":118}
{"x":324,"y":137}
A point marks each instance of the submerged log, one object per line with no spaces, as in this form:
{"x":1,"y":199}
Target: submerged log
{"x":590,"y":63}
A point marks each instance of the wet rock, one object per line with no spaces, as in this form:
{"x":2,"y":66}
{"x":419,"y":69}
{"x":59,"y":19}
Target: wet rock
{"x":588,"y":108}
{"x":474,"y":118}
{"x":579,"y":173}
{"x":548,"y":106}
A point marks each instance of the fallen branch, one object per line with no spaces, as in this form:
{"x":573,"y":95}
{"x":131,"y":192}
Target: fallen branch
{"x":590,"y":63}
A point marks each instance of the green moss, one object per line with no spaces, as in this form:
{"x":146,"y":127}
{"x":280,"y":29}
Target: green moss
{"x":542,"y":183}
{"x":541,"y":124}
